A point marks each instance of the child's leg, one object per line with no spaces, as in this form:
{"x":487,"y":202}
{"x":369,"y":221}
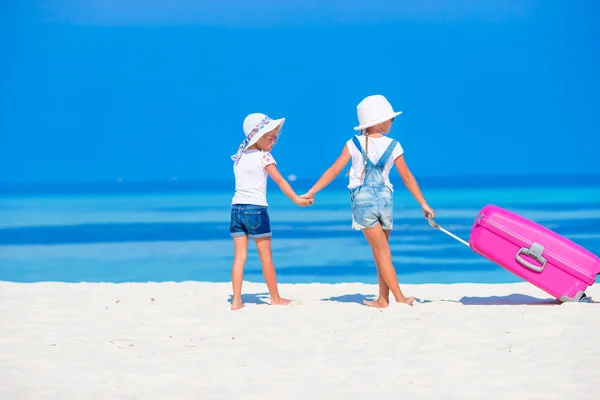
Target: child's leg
{"x":383,"y":258}
{"x":240,"y":251}
{"x":263,"y":245}
{"x":384,"y":290}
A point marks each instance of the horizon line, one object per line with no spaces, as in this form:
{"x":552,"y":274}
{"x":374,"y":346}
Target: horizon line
{"x":176,"y":180}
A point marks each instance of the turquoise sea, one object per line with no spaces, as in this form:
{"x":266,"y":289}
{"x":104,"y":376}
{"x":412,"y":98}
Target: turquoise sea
{"x":178,"y":231}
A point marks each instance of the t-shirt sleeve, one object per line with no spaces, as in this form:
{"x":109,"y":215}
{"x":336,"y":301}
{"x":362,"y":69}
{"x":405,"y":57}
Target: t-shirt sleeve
{"x":352,"y":148}
{"x":398,"y":151}
{"x":267,"y":159}
{"x":350,"y":145}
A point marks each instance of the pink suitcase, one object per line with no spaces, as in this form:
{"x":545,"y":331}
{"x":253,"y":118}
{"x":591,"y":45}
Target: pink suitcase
{"x":538,"y":255}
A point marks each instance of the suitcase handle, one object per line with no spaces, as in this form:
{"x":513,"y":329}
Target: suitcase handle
{"x":535,"y":252}
{"x":435,"y":225}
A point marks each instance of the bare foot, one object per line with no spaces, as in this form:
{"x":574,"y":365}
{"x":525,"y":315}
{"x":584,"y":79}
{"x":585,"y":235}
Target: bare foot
{"x":379,"y":303}
{"x":236,"y":305}
{"x":408,"y":301}
{"x":280,"y":302}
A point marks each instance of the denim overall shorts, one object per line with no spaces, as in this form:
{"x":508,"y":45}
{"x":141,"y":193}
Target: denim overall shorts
{"x":373,"y":201}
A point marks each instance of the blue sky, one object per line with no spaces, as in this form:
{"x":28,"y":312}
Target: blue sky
{"x":143,"y":90}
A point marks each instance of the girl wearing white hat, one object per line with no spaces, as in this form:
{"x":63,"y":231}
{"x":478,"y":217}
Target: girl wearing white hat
{"x":249,"y":216}
{"x":371,"y":193}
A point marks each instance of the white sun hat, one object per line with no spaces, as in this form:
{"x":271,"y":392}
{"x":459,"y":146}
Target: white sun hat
{"x":373,"y":110}
{"x":256,"y":125}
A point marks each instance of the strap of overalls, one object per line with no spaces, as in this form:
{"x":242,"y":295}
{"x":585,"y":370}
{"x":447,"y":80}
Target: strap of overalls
{"x":386,"y":154}
{"x":359,"y":147}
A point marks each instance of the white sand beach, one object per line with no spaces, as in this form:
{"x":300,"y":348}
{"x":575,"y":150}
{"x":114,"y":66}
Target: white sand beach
{"x":181,"y":341}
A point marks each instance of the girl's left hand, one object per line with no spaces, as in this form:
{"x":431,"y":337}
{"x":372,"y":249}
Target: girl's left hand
{"x":427,"y":210}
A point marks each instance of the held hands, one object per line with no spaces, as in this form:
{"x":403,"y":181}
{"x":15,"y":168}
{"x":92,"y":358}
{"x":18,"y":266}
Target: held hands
{"x":304,"y":200}
{"x":307,"y":199}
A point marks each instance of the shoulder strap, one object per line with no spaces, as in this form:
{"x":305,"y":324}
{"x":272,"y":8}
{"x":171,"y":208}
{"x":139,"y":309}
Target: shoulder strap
{"x":359,"y":147}
{"x":387,"y":154}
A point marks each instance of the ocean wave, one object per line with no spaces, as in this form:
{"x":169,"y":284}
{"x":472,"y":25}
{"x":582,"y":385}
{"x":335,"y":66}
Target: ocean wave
{"x":36,"y":217}
{"x":203,"y":250}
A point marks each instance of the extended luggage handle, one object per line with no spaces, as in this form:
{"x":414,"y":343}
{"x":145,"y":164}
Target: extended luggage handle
{"x":535,"y":252}
{"x":435,"y":225}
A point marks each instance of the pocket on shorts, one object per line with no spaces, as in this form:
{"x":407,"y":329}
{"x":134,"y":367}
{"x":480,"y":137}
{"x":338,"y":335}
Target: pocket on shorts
{"x":362,"y":209}
{"x":253,"y":219}
{"x":361,"y":205}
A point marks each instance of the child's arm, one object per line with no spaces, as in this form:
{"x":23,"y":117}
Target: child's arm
{"x":285,"y":186}
{"x":331,"y":173}
{"x":411,"y":184}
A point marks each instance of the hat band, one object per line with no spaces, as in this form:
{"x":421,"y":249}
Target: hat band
{"x":257,"y":128}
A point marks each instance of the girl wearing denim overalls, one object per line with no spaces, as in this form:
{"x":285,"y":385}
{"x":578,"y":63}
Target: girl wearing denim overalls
{"x":371,"y":193}
{"x":249,"y":216}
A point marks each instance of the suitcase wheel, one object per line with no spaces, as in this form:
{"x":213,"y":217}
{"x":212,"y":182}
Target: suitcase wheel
{"x":585,"y":299}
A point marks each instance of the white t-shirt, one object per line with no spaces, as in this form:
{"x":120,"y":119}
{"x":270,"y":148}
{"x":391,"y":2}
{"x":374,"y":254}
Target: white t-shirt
{"x":251,"y":177}
{"x":377,"y":146}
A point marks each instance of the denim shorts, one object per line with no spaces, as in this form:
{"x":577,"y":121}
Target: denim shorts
{"x":372,"y":205}
{"x":249,"y":220}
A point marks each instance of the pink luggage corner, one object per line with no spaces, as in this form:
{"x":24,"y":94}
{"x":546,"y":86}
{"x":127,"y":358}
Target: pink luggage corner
{"x":535,"y":253}
{"x":538,"y":255}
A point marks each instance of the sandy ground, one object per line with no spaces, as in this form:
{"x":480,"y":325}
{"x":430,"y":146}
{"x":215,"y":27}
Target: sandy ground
{"x":181,"y":341}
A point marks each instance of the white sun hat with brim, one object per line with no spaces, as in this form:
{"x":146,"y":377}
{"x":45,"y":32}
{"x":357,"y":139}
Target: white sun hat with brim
{"x":256,"y":125}
{"x":373,"y":110}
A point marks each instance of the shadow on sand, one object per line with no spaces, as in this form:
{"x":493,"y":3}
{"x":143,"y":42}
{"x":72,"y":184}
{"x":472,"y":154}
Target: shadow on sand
{"x":358,"y":298}
{"x":513,"y":299}
{"x":253,"y":298}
